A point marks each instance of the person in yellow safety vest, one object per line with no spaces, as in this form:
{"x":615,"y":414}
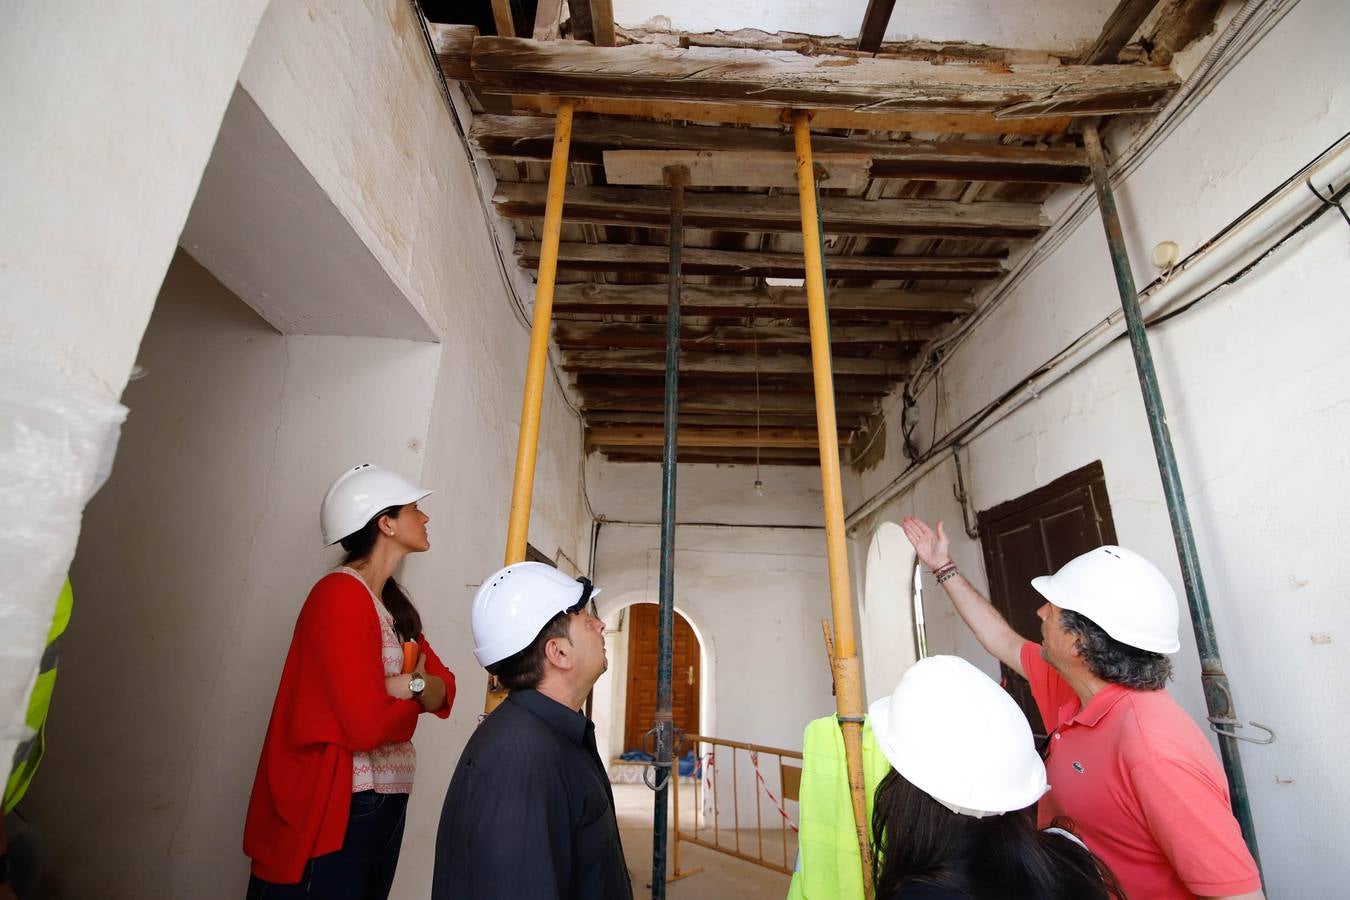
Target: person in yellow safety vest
{"x":18,"y":870}
{"x":829,"y":865}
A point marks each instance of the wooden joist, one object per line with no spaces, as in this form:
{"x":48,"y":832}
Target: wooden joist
{"x":1123,"y":22}
{"x":728,"y":382}
{"x":889,"y":341}
{"x":767,"y":456}
{"x":602,"y":22}
{"x":741,"y":365}
{"x":530,"y":139}
{"x":453,"y":44}
{"x":704,"y":436}
{"x":633,"y":399}
{"x":874,"y":23}
{"x":707,"y":113}
{"x":805,"y":418}
{"x":645,"y":258}
{"x":547,"y":21}
{"x":780,"y":79}
{"x":738,"y":211}
{"x":772,"y":303}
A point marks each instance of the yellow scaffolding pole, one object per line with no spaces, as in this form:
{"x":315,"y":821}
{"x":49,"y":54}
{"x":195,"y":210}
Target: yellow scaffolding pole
{"x":527,"y":448}
{"x":844,"y":661}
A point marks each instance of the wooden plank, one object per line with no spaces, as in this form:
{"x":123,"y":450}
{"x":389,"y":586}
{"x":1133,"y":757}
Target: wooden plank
{"x":602,"y":20}
{"x":738,"y":168}
{"x":874,"y":23}
{"x":452,"y":44}
{"x":530,"y":139}
{"x":745,"y":456}
{"x":501,"y":16}
{"x":803,"y":418}
{"x":780,"y":80}
{"x":709,"y":113}
{"x":1123,"y":22}
{"x":703,"y":436}
{"x":645,"y":258}
{"x":729,"y":383}
{"x":638,"y":207}
{"x":772,"y":302}
{"x":723,"y":338}
{"x":1181,"y":24}
{"x":547,"y":21}
{"x":602,"y":401}
{"x":579,"y":13}
{"x":740,"y":364}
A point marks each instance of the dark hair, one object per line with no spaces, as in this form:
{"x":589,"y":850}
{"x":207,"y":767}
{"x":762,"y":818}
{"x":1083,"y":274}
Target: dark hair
{"x":1112,"y":661}
{"x":524,"y":669}
{"x":915,"y":839}
{"x":358,"y":545}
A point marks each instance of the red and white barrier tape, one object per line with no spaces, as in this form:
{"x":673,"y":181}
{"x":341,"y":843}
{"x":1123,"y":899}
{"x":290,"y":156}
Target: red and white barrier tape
{"x":754,"y":761}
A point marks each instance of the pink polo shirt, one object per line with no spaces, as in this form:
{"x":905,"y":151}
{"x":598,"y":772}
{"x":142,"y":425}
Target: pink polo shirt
{"x":1143,"y":788}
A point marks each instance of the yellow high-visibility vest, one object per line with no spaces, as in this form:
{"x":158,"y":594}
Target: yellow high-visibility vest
{"x":829,"y":866}
{"x":29,"y":753}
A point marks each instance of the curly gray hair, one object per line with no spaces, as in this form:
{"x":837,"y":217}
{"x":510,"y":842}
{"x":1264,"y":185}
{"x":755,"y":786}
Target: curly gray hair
{"x":1112,"y":661}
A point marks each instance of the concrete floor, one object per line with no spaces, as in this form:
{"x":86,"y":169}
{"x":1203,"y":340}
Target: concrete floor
{"x":723,"y":876}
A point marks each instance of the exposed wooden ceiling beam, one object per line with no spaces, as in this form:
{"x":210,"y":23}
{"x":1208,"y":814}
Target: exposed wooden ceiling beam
{"x":530,"y":139}
{"x":599,"y":401}
{"x":745,"y":456}
{"x":778,"y":80}
{"x":772,"y":302}
{"x":707,"y":113}
{"x":801,"y":383}
{"x":1123,"y":22}
{"x":502,"y":18}
{"x":704,"y":436}
{"x":874,"y":23}
{"x":742,"y":365}
{"x":646,"y":208}
{"x":647,"y":258}
{"x":452,"y":43}
{"x":888,"y":341}
{"x":547,"y":20}
{"x":579,"y":13}
{"x":602,"y":22}
{"x":805,"y":418}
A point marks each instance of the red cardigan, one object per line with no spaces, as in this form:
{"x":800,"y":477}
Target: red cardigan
{"x":331,"y":702}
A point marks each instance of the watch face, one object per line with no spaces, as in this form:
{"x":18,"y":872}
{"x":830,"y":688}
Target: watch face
{"x":417,"y":684}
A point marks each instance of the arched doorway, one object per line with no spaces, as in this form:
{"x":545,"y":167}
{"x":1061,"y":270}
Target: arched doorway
{"x":686,"y":675}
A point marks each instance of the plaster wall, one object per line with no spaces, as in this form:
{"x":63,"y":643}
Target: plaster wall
{"x":1257,"y":386}
{"x":1056,"y":26}
{"x":99,"y":160}
{"x":192,"y":566}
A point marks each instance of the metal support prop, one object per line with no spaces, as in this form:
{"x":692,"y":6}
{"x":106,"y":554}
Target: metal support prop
{"x":847,"y":674}
{"x":676,"y":176}
{"x":527,"y":447}
{"x":1218,"y":695}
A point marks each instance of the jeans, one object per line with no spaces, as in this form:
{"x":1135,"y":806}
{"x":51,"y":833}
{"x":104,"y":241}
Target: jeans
{"x":363,"y":869}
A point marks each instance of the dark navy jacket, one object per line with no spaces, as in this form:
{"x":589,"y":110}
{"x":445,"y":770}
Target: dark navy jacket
{"x":529,"y":814}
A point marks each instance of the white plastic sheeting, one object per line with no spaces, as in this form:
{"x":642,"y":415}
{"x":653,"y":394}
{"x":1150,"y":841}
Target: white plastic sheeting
{"x":57,"y":440}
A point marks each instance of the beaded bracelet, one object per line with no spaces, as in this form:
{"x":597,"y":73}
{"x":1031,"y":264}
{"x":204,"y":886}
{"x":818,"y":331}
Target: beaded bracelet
{"x":947,"y":575}
{"x":944,"y":569}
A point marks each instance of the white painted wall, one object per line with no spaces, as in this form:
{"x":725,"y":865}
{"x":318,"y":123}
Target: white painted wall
{"x":193,"y":563}
{"x":1007,"y":23}
{"x":350,"y":88}
{"x":109,"y":116}
{"x":1257,"y":387}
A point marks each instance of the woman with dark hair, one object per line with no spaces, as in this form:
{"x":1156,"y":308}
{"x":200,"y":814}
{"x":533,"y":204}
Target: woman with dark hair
{"x":325,"y":819}
{"x":953,"y":818}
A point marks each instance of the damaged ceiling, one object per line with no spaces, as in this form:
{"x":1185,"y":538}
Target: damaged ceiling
{"x":941,"y":154}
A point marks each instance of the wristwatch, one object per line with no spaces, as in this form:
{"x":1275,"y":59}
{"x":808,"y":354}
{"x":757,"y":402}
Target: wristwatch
{"x":417,"y":684}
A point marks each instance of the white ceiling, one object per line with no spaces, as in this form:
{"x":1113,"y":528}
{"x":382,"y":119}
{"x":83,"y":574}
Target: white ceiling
{"x":1058,"y":25}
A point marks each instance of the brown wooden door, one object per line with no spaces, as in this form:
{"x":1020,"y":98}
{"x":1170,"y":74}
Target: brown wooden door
{"x":1035,"y":535}
{"x":641,"y":704}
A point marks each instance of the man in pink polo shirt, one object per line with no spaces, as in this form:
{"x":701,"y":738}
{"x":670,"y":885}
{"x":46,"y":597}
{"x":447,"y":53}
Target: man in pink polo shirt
{"x":1127,"y":767}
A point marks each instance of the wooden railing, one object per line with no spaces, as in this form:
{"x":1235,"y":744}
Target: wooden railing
{"x":714,"y":758}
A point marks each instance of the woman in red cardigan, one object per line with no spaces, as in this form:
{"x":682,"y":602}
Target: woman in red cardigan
{"x":325,"y":819}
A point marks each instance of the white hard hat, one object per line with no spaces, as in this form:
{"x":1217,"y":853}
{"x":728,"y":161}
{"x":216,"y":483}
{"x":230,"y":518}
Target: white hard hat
{"x":513,"y":606}
{"x":357,"y":495}
{"x":958,"y":737}
{"x":1122,"y":593}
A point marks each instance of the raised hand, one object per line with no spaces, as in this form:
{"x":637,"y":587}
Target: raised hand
{"x":930,"y":547}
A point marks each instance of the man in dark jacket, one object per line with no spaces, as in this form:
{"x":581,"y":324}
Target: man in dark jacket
{"x":529,"y":812}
